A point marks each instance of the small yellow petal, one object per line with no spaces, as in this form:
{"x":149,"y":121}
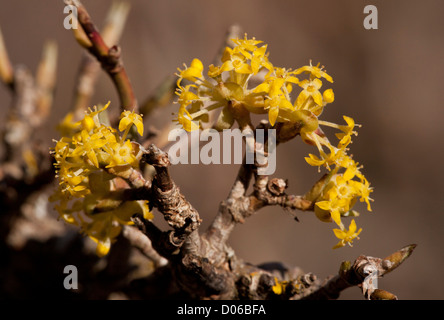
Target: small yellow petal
{"x":336,"y":216}
{"x":263,"y":87}
{"x":324,"y":205}
{"x":352,"y":228}
{"x":340,"y":244}
{"x":88,"y":123}
{"x":317,"y":97}
{"x":103,"y":247}
{"x":92,"y":156}
{"x":197,"y":64}
{"x":314,"y":161}
{"x":301,"y":99}
{"x":139,"y":126}
{"x":339,"y":233}
{"x":124,"y":123}
{"x":328,"y":96}
{"x":273,"y":114}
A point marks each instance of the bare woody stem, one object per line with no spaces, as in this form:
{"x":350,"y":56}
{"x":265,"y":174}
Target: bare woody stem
{"x":238,"y":205}
{"x":363,"y":272}
{"x":32,"y":100}
{"x":6,"y":69}
{"x":89,"y":68}
{"x":109,"y":58}
{"x":177,"y":211}
{"x":139,"y":240}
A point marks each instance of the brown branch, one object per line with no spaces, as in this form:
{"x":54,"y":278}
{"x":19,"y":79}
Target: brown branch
{"x":109,"y":58}
{"x":46,"y":81}
{"x":160,"y":161}
{"x":166,"y":196}
{"x":32,"y":100}
{"x":239,"y":206}
{"x":132,"y":176}
{"x":163,"y":94}
{"x":140,"y":241}
{"x":25,"y":166}
{"x":363,"y":273}
{"x":162,"y":242}
{"x":89,"y":66}
{"x":228,"y":214}
{"x":18,"y":128}
{"x":86,"y":79}
{"x":258,"y":282}
{"x":273,"y":193}
{"x":6,"y":70}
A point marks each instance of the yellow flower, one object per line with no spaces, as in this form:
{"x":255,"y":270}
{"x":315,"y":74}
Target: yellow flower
{"x":347,"y":132}
{"x":326,"y":159}
{"x":184,"y":118}
{"x":315,"y":71}
{"x":191,"y":73}
{"x":124,"y":212}
{"x":106,"y":226}
{"x":333,"y":206}
{"x":67,"y":127}
{"x":186,"y":96}
{"x":311,"y":89}
{"x":277,"y":88}
{"x":91,"y":119}
{"x":257,"y":55}
{"x":351,"y":170}
{"x":276,"y":99}
{"x":73,"y":182}
{"x":364,"y":190}
{"x":272,"y":95}
{"x":347,"y":237}
{"x":123,"y":154}
{"x":259,"y":60}
{"x":88,"y":144}
{"x":102,"y":230}
{"x":287,"y":76}
{"x":314,"y":160}
{"x":229,"y":86}
{"x":339,"y":195}
{"x":233,"y":60}
{"x":80,"y":160}
{"x":129,"y":118}
{"x":248,"y":44}
{"x":238,"y":65}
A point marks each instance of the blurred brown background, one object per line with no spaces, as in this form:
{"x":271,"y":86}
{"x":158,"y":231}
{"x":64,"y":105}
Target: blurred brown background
{"x":389,"y":80}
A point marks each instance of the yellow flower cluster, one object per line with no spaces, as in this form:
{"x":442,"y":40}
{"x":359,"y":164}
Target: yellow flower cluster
{"x":82,"y":156}
{"x":234,"y":87}
{"x":229,"y":87}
